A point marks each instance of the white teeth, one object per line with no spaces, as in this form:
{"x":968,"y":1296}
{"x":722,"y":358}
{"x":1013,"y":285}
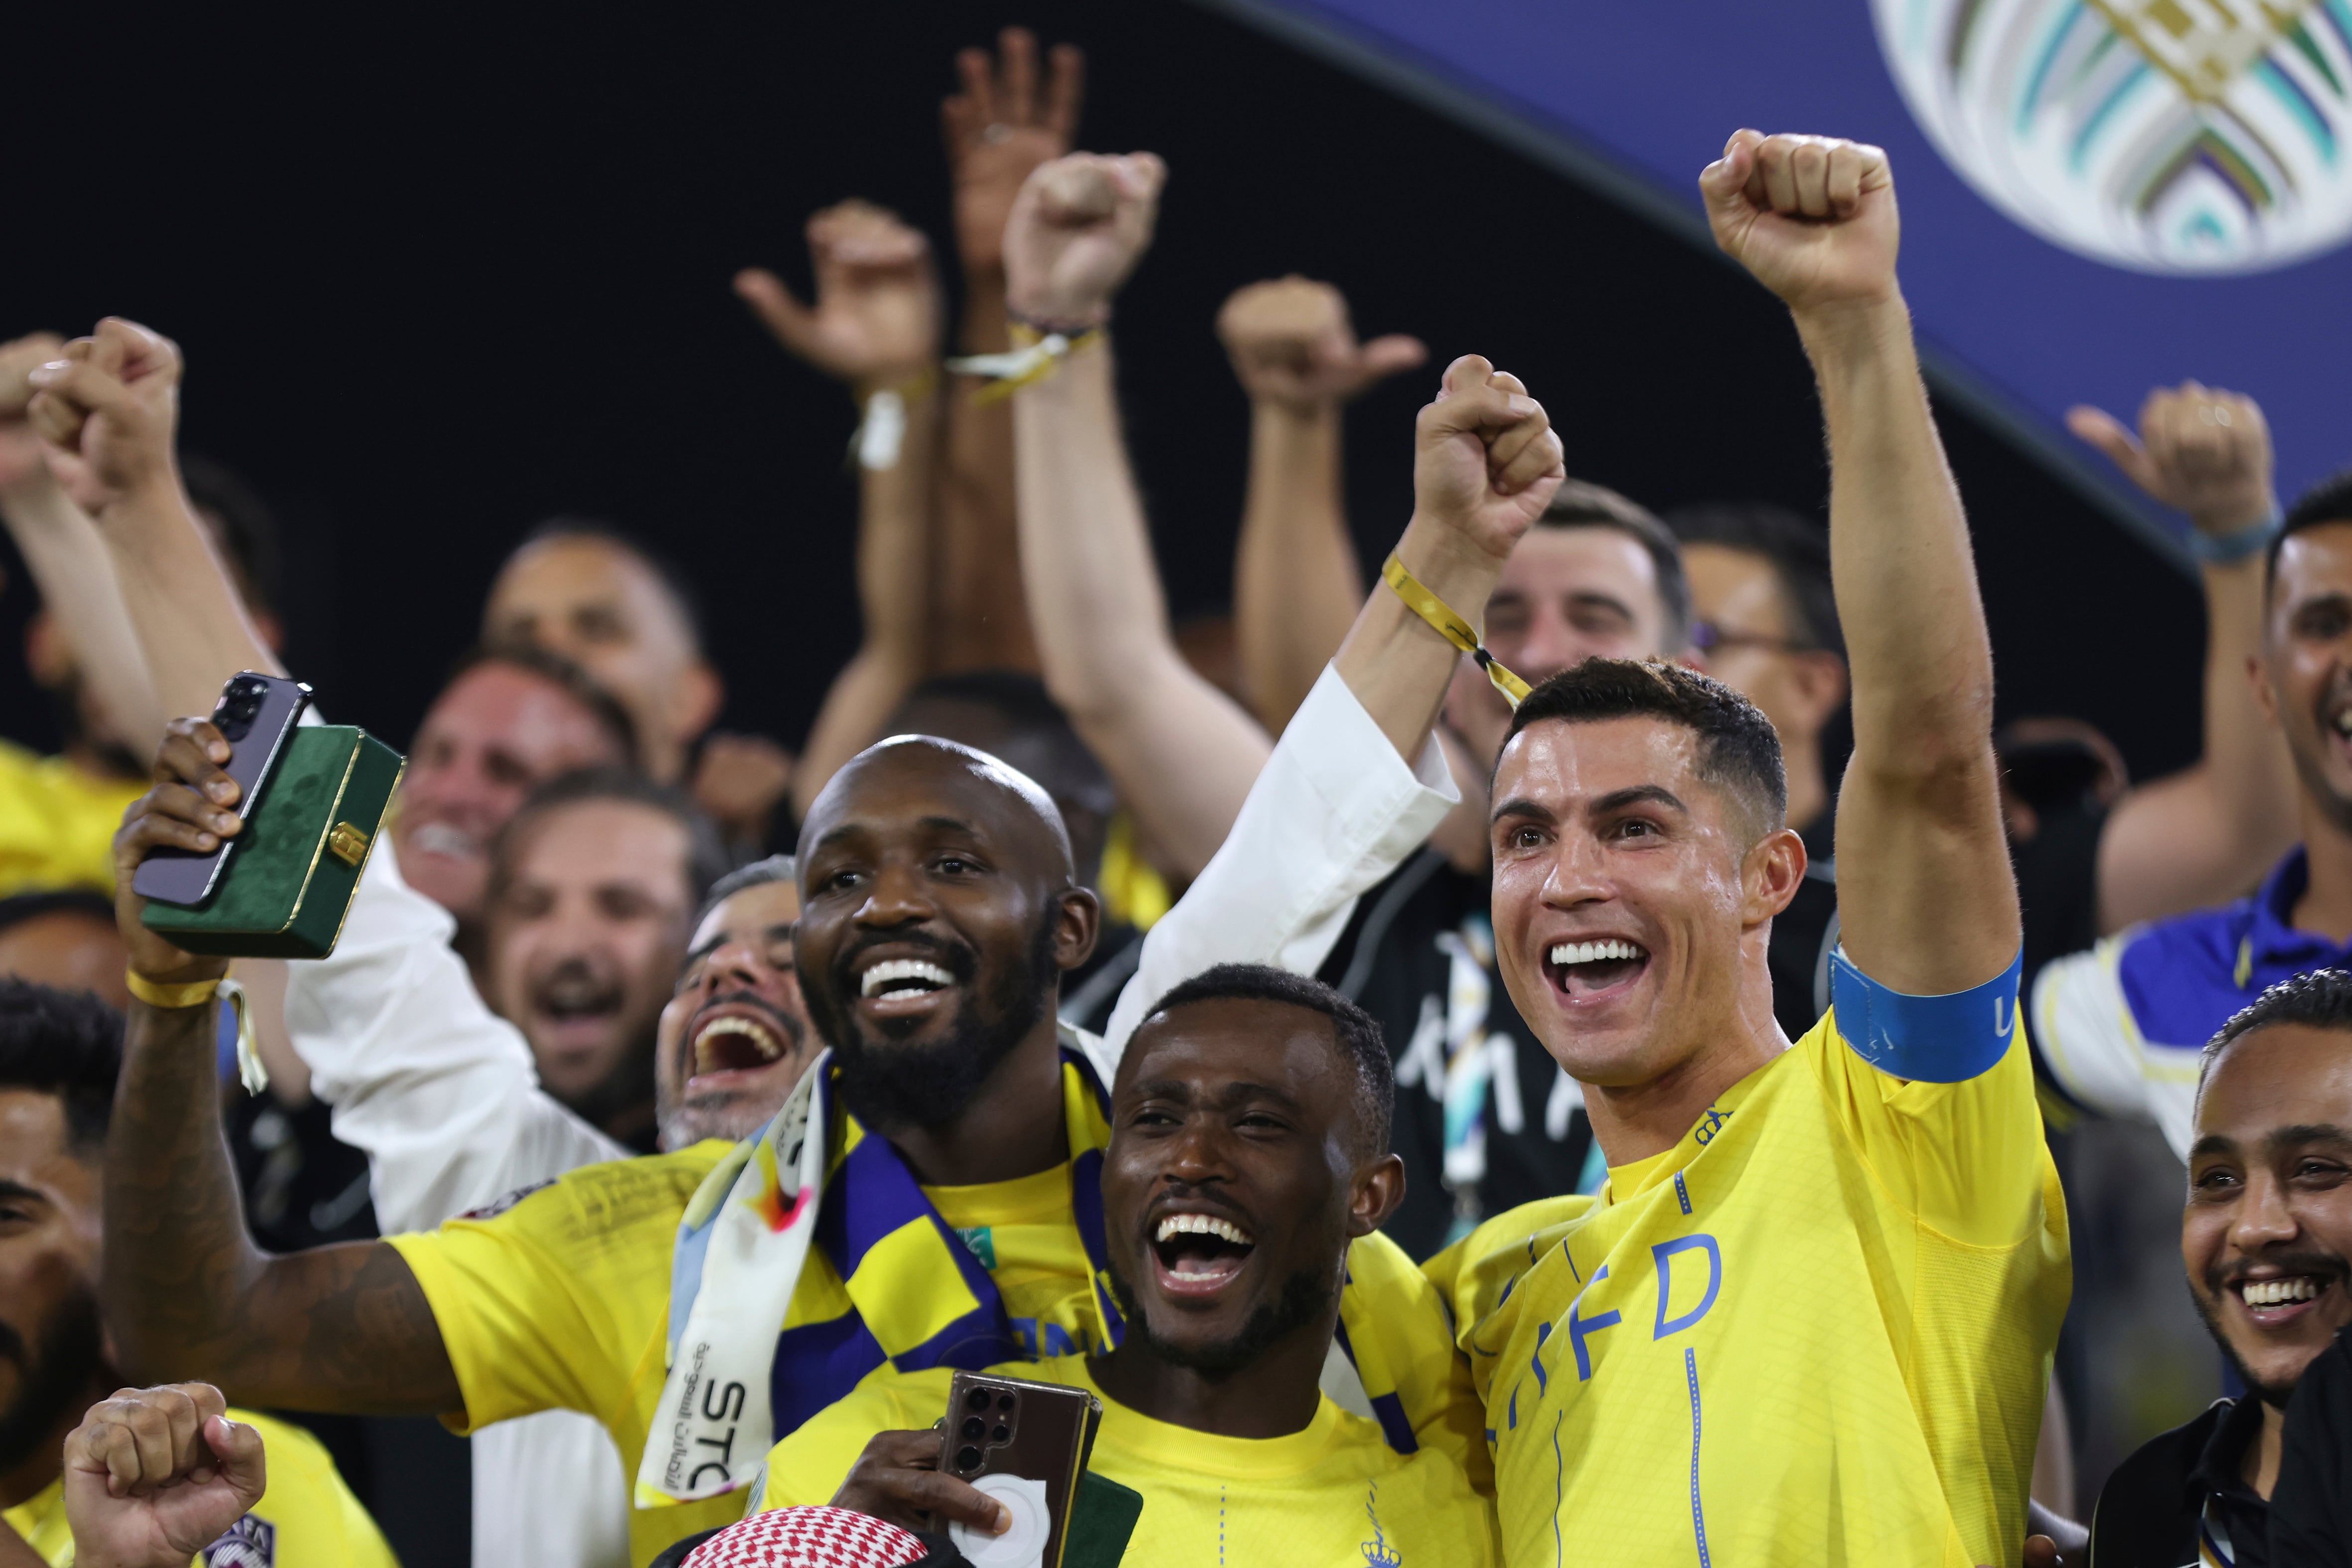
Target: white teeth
{"x":1203,"y":1225}
{"x":1593,"y":952}
{"x":441,"y":839}
{"x":756,"y":1033}
{"x":2277,"y":1292}
{"x":892,"y":970}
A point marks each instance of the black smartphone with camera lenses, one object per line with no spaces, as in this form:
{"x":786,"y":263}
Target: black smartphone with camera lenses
{"x":1036,"y":1432}
{"x":256,"y":714}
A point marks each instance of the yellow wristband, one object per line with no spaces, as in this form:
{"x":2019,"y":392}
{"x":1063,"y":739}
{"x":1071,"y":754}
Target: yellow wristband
{"x":194,"y":994}
{"x":1451,"y":627}
{"x":1034,"y":357}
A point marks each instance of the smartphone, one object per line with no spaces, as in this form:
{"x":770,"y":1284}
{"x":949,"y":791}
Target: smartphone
{"x":255,"y":713}
{"x":1031,"y":1431}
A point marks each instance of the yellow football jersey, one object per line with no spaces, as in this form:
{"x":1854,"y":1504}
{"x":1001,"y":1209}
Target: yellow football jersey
{"x":1818,"y":1330}
{"x":561,"y":1301}
{"x":1332,"y":1496}
{"x":57,"y":822}
{"x":306,"y":1519}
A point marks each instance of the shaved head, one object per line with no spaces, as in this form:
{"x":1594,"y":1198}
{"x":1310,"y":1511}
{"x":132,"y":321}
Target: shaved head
{"x":929,"y":757}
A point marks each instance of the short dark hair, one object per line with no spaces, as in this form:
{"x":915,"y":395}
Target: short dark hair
{"x":18,"y":908}
{"x":1358,"y":1034}
{"x":2329,"y":501}
{"x":557,"y":671}
{"x":249,"y":529}
{"x":66,"y":1043}
{"x":671,"y":577}
{"x":705,"y":860}
{"x":1738,"y":749}
{"x":758,"y":874}
{"x":1795,"y":546}
{"x":1578,"y":503}
{"x":2319,"y":999}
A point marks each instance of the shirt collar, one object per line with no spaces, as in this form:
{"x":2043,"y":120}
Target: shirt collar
{"x":2217,"y":1469}
{"x":2272,"y":936}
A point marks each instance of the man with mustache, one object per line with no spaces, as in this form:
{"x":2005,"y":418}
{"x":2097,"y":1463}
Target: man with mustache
{"x":2119,"y":1028}
{"x":1249,"y":1145}
{"x":59,"y":1054}
{"x":2266,"y":1241}
{"x":972,"y":1236}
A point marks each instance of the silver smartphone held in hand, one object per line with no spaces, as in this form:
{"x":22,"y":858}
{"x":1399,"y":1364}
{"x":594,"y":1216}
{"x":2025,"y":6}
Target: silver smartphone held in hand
{"x":255,"y":713}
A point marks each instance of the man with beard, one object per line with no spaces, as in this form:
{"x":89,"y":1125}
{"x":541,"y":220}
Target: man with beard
{"x":2119,"y":1026}
{"x":592,"y":884}
{"x":933,"y":880}
{"x":59,"y":1054}
{"x":1248,"y":1147}
{"x":2266,"y":1241}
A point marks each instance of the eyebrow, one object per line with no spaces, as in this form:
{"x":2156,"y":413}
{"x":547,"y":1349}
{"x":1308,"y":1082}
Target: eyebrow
{"x":1616,"y":800}
{"x":1236,"y":1092}
{"x":17,"y":1191}
{"x":783,"y":931}
{"x":2306,"y":1132}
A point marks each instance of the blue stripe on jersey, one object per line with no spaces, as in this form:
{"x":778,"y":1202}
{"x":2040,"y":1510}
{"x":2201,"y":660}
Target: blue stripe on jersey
{"x":1928,"y":1039}
{"x":1698,"y":1514}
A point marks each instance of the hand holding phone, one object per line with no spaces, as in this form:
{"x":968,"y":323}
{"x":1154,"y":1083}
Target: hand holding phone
{"x":255,"y":713}
{"x":1024,"y":1444}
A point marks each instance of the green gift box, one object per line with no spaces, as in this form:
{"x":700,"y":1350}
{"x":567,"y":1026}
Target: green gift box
{"x":286,"y":888}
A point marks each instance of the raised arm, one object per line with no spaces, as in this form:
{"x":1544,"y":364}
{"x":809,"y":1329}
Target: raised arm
{"x":186,"y":1291}
{"x":1297,"y":584}
{"x":111,"y":403}
{"x":2207,"y":834}
{"x":876,"y":327}
{"x":1008,"y":119}
{"x":67,"y":556}
{"x":1181,"y":752}
{"x":1926,"y":898}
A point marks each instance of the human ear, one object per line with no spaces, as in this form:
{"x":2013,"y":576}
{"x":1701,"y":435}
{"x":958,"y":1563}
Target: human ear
{"x":1775,"y":866}
{"x":1076,"y":923}
{"x":1377,"y":1189}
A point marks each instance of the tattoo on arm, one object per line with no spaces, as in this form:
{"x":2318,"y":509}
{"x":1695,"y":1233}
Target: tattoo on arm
{"x":189,"y":1295}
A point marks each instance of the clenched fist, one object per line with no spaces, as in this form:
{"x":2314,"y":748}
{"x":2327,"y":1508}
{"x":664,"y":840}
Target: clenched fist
{"x":2200,"y":450}
{"x":20,"y":448}
{"x":1292,"y":345}
{"x":154,"y":1476}
{"x":1077,"y":229}
{"x":111,"y":401}
{"x":1484,"y":458}
{"x":1812,"y":217}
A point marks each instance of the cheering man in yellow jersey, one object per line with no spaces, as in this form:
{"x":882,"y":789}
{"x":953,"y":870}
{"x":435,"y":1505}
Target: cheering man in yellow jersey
{"x":930,"y":1195}
{"x":1249,"y":1144}
{"x":1809,"y":1318}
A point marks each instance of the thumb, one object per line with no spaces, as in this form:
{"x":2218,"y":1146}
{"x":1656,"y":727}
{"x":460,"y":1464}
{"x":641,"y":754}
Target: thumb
{"x":790,"y":322}
{"x":1384,"y":357}
{"x":1722,"y":184}
{"x":239,"y":1449}
{"x":2098,"y":427}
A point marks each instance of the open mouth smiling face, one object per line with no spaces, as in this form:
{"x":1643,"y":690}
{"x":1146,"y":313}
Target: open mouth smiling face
{"x":1595,"y":970}
{"x":736,"y":1035}
{"x":1195,"y":1254}
{"x":897,"y":987}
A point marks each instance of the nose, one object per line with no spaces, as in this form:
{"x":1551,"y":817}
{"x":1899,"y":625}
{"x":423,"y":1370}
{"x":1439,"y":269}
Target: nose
{"x":2263,"y":1217}
{"x":1197,"y":1153}
{"x":737,"y":965}
{"x":1577,"y":874}
{"x":895,"y":897}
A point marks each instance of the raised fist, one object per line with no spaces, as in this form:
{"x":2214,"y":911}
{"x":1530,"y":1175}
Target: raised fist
{"x":2200,"y":450}
{"x":1811,"y":216}
{"x":1291,"y":344}
{"x":876,"y":320}
{"x":1077,"y":229}
{"x":999,"y":128}
{"x":1484,"y":458}
{"x":20,"y":449}
{"x":109,"y":401}
{"x":154,"y":1476}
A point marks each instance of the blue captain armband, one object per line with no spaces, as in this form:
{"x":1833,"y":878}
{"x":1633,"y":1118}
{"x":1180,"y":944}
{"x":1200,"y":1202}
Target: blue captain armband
{"x":1928,"y":1039}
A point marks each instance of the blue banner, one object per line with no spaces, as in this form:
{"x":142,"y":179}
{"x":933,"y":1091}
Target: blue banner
{"x":2098,"y":196}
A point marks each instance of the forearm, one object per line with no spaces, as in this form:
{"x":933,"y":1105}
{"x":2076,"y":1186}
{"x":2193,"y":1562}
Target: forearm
{"x":1398,"y":664}
{"x":982,"y":619}
{"x":1297,"y":584}
{"x":188,"y":1295}
{"x":1928,"y":903}
{"x":1183,"y":755}
{"x":191,"y":623}
{"x":895,"y":598}
{"x":70,"y":564}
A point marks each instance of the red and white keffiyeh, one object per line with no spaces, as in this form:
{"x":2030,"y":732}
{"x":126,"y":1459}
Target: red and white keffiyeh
{"x":808,"y":1538}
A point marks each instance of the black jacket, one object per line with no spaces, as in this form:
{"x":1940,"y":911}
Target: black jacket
{"x":2311,"y":1508}
{"x":2153,"y":1508}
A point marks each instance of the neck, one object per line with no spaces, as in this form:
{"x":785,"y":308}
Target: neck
{"x":1635,"y":1121}
{"x":47,"y":1461}
{"x":2325,"y":906}
{"x":2260,"y":1468}
{"x":1273,"y":1397}
{"x":1011,"y":1128}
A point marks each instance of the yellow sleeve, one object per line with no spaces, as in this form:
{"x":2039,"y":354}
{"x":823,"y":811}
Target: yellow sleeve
{"x":810,"y":1464}
{"x":1476,"y":1275}
{"x":307,"y":1518}
{"x":1966,"y":1159}
{"x":57,"y":822}
{"x":550,"y":1302}
{"x":1398,"y":1326}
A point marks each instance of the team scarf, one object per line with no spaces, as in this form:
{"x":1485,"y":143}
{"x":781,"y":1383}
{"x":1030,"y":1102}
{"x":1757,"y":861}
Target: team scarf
{"x":918,"y":1296}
